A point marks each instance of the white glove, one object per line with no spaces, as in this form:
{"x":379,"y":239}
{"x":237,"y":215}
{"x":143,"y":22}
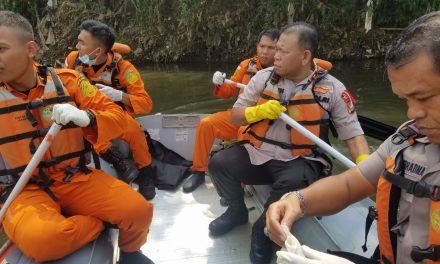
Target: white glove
{"x":65,"y":113}
{"x":218,"y":78}
{"x":114,"y":94}
{"x":293,"y":252}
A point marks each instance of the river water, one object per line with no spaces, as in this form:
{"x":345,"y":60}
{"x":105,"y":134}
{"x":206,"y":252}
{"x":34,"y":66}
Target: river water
{"x":187,"y":88}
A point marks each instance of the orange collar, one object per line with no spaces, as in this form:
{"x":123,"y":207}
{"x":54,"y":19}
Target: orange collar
{"x":257,"y":61}
{"x":107,"y":62}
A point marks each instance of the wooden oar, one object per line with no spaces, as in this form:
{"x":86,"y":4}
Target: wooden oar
{"x":372,"y":128}
{"x":27,"y":173}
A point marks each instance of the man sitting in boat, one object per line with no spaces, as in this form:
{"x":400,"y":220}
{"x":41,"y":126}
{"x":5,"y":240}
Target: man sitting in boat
{"x":276,"y":154}
{"x":30,"y":98}
{"x":121,"y":82}
{"x":219,"y":125}
{"x":404,"y":172}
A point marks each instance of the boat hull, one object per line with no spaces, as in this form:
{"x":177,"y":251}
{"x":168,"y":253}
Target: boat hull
{"x":341,"y":232}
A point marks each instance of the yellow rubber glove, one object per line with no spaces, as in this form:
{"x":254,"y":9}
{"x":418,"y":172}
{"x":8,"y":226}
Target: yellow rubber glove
{"x":361,"y":157}
{"x":271,"y":109}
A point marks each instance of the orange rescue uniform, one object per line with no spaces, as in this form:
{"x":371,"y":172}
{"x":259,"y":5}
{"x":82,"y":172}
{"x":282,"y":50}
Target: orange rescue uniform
{"x":34,"y":221}
{"x":121,"y":74}
{"x":218,"y":125}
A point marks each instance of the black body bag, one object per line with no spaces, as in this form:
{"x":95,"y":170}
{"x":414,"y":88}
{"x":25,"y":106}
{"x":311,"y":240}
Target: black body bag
{"x":169,"y":168}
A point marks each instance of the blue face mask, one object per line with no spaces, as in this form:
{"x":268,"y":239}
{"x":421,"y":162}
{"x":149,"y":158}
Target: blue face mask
{"x":86,"y":58}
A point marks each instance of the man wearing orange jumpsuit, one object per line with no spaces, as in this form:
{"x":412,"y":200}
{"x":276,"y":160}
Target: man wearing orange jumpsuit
{"x":218,"y":125}
{"x":31,"y":98}
{"x":121,"y":82}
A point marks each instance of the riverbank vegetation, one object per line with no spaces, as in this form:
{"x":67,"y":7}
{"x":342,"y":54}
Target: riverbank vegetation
{"x":219,"y":30}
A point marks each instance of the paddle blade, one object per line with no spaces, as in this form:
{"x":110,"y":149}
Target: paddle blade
{"x":376,"y":129}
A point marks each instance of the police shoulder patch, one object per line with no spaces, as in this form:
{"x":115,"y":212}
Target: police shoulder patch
{"x":130,"y":76}
{"x":349,"y":100}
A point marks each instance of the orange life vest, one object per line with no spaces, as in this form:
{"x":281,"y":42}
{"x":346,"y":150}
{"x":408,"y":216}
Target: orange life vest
{"x":24,"y":123}
{"x":253,"y":67}
{"x":302,"y":107}
{"x":324,"y":64}
{"x":108,"y":76}
{"x":387,"y":201}
{"x":243,"y":74}
{"x":121,"y":48}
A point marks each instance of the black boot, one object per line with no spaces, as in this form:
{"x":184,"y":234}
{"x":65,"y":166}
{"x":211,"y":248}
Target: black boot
{"x":193,"y":181}
{"x":235,"y":215}
{"x":134,"y":258}
{"x":223,"y":202}
{"x":261,"y":245}
{"x":146,"y":183}
{"x":124,"y":166}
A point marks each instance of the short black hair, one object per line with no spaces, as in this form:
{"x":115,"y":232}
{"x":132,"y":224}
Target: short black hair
{"x":20,"y":24}
{"x":423,"y":35}
{"x":103,"y":33}
{"x":272,"y":33}
{"x":308,"y":37}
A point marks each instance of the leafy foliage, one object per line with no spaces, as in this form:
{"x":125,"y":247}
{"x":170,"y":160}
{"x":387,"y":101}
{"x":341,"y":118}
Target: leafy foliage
{"x":27,"y":8}
{"x":400,"y":13}
{"x":173,"y":30}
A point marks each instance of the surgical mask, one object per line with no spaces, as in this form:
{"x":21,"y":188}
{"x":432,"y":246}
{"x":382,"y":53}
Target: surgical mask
{"x":86,"y":58}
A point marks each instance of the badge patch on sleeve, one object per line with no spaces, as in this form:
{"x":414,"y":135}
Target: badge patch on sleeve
{"x":349,"y":100}
{"x":130,"y":77}
{"x":321,"y":89}
{"x":86,"y":87}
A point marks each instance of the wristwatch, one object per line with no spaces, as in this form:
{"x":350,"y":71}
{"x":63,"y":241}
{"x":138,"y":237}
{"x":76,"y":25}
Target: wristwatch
{"x":302,"y":203}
